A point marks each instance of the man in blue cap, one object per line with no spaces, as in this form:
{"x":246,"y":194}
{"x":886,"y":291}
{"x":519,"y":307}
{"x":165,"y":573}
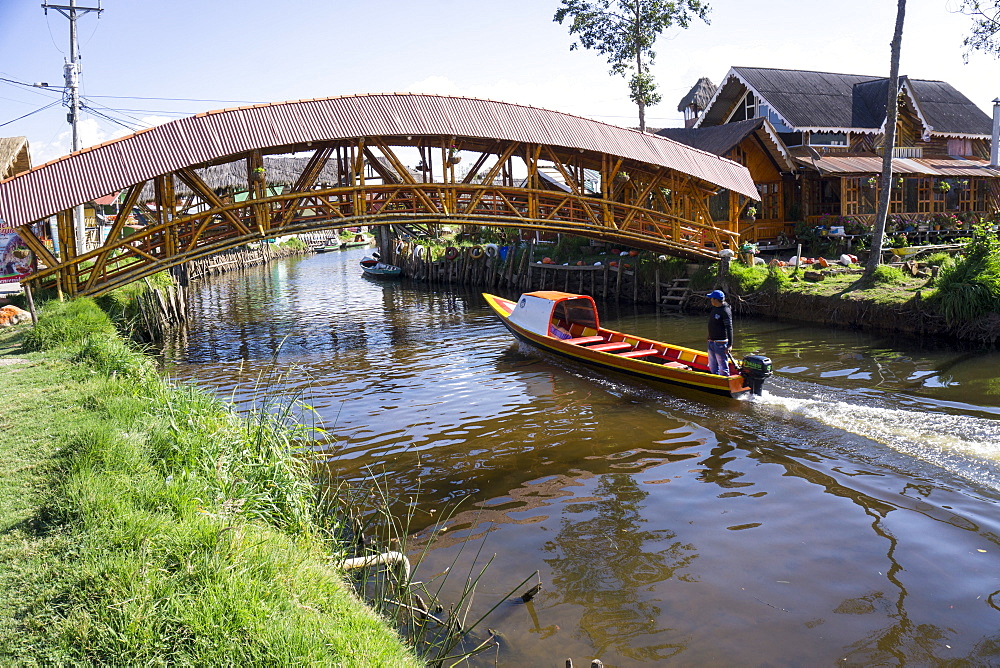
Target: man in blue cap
{"x":720,"y":333}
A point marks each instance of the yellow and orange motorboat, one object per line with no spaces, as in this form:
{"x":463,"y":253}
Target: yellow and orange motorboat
{"x":567,"y":324}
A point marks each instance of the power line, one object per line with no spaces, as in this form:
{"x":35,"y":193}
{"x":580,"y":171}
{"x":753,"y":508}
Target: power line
{"x":95,"y":112}
{"x":172,"y":99}
{"x":117,"y":111}
{"x":51,"y":104}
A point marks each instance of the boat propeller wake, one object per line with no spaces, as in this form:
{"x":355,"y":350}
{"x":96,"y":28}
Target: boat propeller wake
{"x":964,"y":444}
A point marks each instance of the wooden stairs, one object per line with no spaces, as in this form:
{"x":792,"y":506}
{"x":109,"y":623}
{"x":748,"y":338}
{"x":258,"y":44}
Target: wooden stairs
{"x":676,"y":294}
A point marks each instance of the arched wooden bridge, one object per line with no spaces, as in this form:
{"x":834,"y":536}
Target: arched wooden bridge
{"x":527,"y":168}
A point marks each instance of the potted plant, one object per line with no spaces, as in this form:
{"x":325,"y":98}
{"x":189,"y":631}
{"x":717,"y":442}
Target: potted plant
{"x":257,"y":174}
{"x":750,"y":213}
{"x":453,"y":157}
{"x":872,"y":181}
{"x":621,"y":177}
{"x":942,"y":186}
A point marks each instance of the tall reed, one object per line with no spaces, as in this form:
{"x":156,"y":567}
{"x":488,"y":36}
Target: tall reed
{"x":187,"y":532}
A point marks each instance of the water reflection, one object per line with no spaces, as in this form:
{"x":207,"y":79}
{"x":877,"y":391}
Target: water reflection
{"x":850,"y":513}
{"x":604,"y":557}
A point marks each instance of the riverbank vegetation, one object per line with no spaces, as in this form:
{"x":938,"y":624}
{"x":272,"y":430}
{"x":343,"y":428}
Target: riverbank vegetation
{"x":150,"y":524}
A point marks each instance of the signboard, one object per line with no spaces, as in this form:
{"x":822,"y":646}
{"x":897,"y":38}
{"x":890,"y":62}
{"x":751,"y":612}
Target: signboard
{"x":16,"y":259}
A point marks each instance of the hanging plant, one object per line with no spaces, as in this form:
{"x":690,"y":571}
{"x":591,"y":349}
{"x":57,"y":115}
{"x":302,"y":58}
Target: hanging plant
{"x":943,"y":186}
{"x":257,"y":174}
{"x":872,"y":181}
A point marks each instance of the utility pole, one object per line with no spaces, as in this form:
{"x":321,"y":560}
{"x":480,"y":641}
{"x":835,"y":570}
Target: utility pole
{"x":71,"y":97}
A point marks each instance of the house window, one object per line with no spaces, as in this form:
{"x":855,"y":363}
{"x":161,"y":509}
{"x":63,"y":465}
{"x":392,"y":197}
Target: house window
{"x":745,"y":109}
{"x":911,"y":195}
{"x":828,"y":139}
{"x":770,"y":200}
{"x":775,"y":120}
{"x":960,"y":147}
{"x":825,"y":197}
{"x":718,"y":206}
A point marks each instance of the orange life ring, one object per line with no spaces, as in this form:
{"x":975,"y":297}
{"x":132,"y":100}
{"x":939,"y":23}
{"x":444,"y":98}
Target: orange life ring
{"x":476,"y":252}
{"x":450,"y":253}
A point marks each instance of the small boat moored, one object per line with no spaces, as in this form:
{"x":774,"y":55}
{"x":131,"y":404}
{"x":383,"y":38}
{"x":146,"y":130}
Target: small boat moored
{"x":331,"y":244}
{"x":567,"y":324}
{"x":373,"y":266}
{"x":360,"y":239}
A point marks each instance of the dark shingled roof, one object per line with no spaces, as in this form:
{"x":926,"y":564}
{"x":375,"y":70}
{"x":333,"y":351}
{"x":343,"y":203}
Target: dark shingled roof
{"x":717,"y":139}
{"x":948,"y":111}
{"x":808,"y":99}
{"x":829,"y":100}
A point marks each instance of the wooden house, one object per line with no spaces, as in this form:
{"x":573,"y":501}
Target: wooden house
{"x":831,"y":127}
{"x":754,"y":144}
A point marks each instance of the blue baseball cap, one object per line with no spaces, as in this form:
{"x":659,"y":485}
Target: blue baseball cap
{"x":717,"y":294}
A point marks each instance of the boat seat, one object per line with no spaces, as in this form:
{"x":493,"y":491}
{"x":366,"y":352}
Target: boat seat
{"x":583,"y":340}
{"x":611,"y":347}
{"x":640,"y":353}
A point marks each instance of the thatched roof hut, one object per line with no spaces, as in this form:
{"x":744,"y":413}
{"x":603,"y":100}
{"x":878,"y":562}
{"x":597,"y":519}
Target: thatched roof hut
{"x":14,"y":156}
{"x":699,"y":96}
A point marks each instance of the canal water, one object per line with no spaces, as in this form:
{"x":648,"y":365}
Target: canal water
{"x":850,"y":516}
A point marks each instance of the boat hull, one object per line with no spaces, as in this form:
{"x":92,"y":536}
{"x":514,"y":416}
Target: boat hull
{"x":658,"y":371}
{"x":375,"y":268}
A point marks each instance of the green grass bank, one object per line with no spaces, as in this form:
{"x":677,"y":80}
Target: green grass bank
{"x":148,"y":524}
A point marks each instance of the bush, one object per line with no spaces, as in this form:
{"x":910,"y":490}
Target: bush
{"x":970,"y":288}
{"x":747,"y":279}
{"x":776,"y":280}
{"x":63,"y":324}
{"x":294,"y":243}
{"x":886,"y":274}
{"x":939,"y":260}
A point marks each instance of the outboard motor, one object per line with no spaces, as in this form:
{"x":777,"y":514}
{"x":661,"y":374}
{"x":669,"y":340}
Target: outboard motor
{"x":755,"y":369}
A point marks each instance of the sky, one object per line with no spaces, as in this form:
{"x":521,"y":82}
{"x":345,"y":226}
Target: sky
{"x":150,"y":61}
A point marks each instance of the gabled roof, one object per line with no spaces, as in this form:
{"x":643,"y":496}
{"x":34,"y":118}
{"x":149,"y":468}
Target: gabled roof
{"x":721,"y":139}
{"x":826,"y":101}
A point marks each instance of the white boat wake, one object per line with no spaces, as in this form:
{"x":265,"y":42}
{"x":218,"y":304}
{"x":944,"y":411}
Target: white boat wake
{"x":964,"y":444}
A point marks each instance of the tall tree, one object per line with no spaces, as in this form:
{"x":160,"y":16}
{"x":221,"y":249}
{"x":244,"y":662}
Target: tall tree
{"x":891,"y":106}
{"x":985,"y":26}
{"x":625,"y":31}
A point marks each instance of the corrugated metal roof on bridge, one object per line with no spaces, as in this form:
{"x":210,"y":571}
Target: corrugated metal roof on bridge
{"x":99,"y":170}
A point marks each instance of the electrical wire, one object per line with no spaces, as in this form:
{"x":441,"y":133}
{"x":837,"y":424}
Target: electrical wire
{"x":51,"y":104}
{"x":95,"y":112}
{"x":117,"y":111}
{"x":171,"y":99}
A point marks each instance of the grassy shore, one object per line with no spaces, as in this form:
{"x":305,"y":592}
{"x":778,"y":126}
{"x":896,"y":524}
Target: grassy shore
{"x":145,"y":524}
